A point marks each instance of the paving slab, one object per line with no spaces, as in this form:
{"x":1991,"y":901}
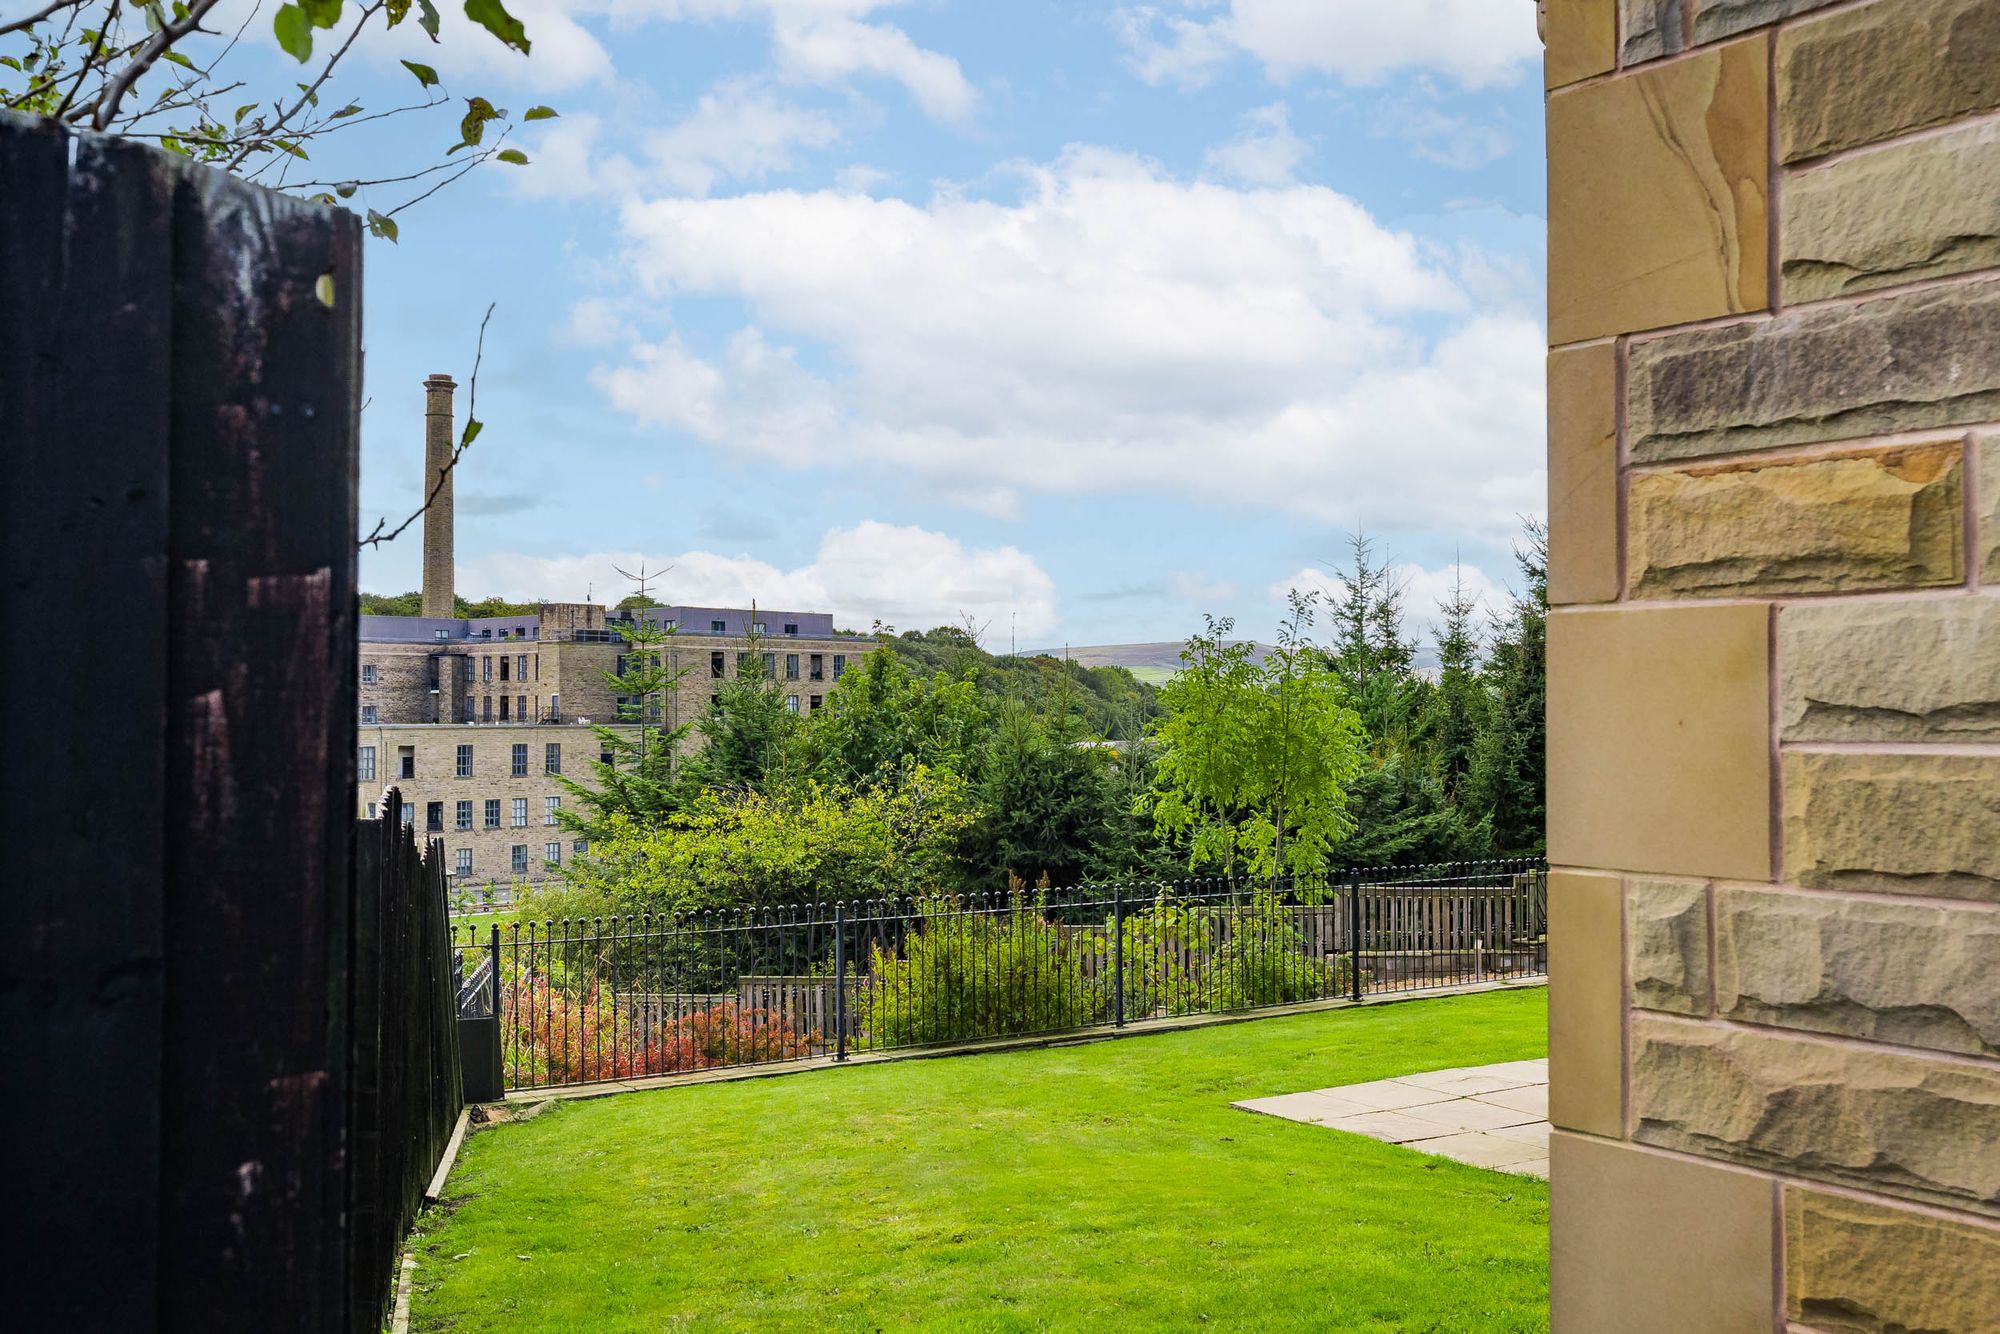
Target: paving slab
{"x":1493,"y":1116}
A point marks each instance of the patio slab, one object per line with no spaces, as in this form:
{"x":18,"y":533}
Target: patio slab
{"x":1493,"y":1116}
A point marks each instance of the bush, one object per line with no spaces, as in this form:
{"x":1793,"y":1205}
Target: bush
{"x":964,"y":975}
{"x":1173,"y":964}
{"x":1265,"y":962}
{"x":558,"y":1037}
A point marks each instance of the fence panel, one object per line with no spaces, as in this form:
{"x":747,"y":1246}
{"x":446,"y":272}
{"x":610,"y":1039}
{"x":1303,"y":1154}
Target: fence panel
{"x":179,"y":969}
{"x":619,"y":998}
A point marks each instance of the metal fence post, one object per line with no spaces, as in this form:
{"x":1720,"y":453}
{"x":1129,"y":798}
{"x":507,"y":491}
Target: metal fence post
{"x":840,"y":980}
{"x":1354,"y":934}
{"x":495,"y":946}
{"x":1118,"y":954}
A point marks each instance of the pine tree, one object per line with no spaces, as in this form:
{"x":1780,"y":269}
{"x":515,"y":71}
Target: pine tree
{"x":1509,"y":772}
{"x":1457,"y":711}
{"x":638,"y":774}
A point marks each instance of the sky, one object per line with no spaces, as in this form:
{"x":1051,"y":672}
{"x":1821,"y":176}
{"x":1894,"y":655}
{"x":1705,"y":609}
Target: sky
{"x":1076,"y":320}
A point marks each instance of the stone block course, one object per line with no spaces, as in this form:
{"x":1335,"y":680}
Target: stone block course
{"x":1666,"y":930}
{"x":1920,"y":209}
{"x":1586,"y":1004}
{"x":1913,"y":974}
{"x":1892,"y":519}
{"x":1897,"y":823}
{"x":1988,"y":463}
{"x":1655,"y":28}
{"x":1915,"y":671}
{"x":1662,"y":218}
{"x":1580,"y":39}
{"x":1887,"y":1121}
{"x":1659,"y":741}
{"x":1905,"y":362}
{"x":1583,"y":474}
{"x":1857,"y":1267}
{"x":1862,"y":75}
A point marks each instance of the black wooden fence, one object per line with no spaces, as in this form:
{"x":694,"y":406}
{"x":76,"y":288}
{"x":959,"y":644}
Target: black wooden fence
{"x":182,"y":1014}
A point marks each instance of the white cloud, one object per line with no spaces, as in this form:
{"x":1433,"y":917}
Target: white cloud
{"x":1424,"y":593}
{"x":1199,"y":588}
{"x":826,"y":42}
{"x":1265,"y":153}
{"x":737,"y":131}
{"x":1113,"y":328}
{"x":1476,"y":42}
{"x":1436,"y":135}
{"x":909,"y":577}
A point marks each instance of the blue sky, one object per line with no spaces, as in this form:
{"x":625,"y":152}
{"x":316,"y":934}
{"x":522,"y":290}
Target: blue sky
{"x":1078,"y":319}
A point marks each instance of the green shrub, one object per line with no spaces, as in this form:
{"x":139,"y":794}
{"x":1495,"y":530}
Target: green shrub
{"x":1174,"y":965}
{"x":963,"y":975}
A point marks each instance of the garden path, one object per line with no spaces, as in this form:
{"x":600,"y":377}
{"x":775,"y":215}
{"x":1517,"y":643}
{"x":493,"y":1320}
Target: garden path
{"x":1493,"y":1116}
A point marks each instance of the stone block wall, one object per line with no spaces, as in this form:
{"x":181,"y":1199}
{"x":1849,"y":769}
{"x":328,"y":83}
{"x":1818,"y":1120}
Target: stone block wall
{"x":1774,"y":660}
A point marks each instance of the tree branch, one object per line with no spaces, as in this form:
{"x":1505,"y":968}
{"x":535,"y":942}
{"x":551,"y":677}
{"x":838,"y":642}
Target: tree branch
{"x":114,"y":92}
{"x":312,"y":89}
{"x":36,"y":17}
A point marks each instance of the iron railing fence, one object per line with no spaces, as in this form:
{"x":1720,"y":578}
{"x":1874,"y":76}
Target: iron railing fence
{"x":587,"y":1000}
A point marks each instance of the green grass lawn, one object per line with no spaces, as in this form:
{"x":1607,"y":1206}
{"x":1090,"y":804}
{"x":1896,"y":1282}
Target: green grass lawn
{"x":1101,"y":1186}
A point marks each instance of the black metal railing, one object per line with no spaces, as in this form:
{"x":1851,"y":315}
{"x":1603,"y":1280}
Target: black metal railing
{"x":586,"y":1000}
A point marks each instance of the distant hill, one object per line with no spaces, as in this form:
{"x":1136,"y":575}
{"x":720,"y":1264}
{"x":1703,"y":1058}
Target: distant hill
{"x":1151,"y":663}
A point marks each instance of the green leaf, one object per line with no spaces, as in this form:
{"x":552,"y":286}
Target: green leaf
{"x":473,"y":426}
{"x":346,"y":190}
{"x":493,"y":16}
{"x":427,"y":18}
{"x":426,"y":76}
{"x":477,"y":112}
{"x":381,"y":224}
{"x":540,"y":113}
{"x":10,"y":62}
{"x":513,"y":155}
{"x":294,"y":32}
{"x":244,"y":110}
{"x":398,"y":10}
{"x":178,"y":59}
{"x":323,"y":13}
{"x":351,"y":109}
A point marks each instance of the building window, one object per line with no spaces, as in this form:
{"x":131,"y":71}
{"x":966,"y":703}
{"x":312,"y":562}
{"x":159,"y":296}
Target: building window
{"x":520,"y":851}
{"x":770,"y":666}
{"x":791,"y":629}
{"x":521,"y":667}
{"x":493,"y":812}
{"x":364,"y":769}
{"x":555,"y":708}
{"x":368,"y":673}
{"x":756,"y":627}
{"x":815,"y":702}
{"x":465,"y":761}
{"x":839,"y":665}
{"x":503,"y":708}
{"x":434,"y":817}
{"x":552,"y":758}
{"x":462,"y":861}
{"x":487,"y":709}
{"x":371,"y":810}
{"x":486,"y":668}
{"x":504,"y":663}
{"x":817,"y":668}
{"x":716,"y":627}
{"x":550,"y":805}
{"x":604,"y":758}
{"x":368,"y":714}
{"x":715,"y":661}
{"x":521,"y":707}
{"x":552,"y":853}
{"x":463,"y":811}
{"x":791,"y":703}
{"x":520,"y":758}
{"x":580,"y":847}
{"x":409,"y":815}
{"x":406,"y":761}
{"x":466,"y":708}
{"x":520,"y":812}
{"x":743,"y":664}
{"x":441,"y":635}
{"x":791,"y":666}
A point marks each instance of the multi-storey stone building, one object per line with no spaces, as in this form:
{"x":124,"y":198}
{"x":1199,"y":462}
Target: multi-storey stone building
{"x":476,"y":719}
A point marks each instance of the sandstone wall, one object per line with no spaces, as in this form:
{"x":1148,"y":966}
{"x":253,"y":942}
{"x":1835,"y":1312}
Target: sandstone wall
{"x":1774,"y":707}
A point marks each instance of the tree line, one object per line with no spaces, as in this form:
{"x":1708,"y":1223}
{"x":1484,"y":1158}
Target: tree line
{"x":937,"y":767}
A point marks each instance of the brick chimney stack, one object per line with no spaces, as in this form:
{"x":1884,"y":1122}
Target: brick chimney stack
{"x":437,"y":518}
